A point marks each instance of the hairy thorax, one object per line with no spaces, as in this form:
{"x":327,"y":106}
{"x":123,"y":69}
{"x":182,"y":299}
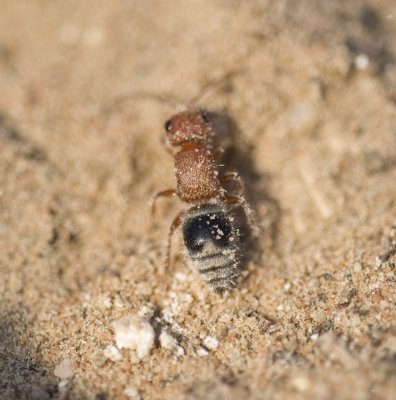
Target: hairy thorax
{"x":196,"y":178}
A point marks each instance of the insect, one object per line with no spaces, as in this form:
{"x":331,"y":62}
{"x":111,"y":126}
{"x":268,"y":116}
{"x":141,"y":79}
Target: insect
{"x":210,"y":235}
{"x":212,"y":242}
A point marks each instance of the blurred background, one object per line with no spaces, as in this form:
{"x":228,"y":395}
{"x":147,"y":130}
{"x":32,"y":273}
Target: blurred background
{"x":311,"y":107}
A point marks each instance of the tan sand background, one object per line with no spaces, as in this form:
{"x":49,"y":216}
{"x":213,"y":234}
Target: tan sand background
{"x":312,"y":114}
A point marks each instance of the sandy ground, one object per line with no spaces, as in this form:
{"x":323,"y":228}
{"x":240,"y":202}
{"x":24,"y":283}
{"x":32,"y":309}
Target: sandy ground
{"x":311,"y":113}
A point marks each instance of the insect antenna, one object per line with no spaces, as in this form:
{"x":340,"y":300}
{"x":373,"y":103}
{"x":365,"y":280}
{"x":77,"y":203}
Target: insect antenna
{"x":168,"y":99}
{"x":210,"y":86}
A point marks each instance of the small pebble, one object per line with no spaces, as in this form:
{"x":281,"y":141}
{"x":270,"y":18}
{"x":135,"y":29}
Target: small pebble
{"x":287,"y":287}
{"x":211,"y":343}
{"x":314,"y":337}
{"x":64,"y":369}
{"x":301,"y":383}
{"x":362,"y":61}
{"x":202,"y":352}
{"x":132,"y":332}
{"x":167,"y":341}
{"x":111,"y":352}
{"x":132,"y":393}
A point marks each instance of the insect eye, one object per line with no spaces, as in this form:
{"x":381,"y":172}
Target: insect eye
{"x":168,"y":125}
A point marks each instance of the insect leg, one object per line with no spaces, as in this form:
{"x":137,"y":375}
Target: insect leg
{"x":234,"y":177}
{"x":175,"y":224}
{"x":162,"y":193}
{"x":241,"y":201}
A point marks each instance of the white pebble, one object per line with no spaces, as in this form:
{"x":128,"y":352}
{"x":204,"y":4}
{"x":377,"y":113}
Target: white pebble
{"x":132,"y":332}
{"x":362,"y":61}
{"x":211,"y":343}
{"x":64,"y":369}
{"x":111,"y":352}
{"x":62,"y":385}
{"x":169,"y":342}
{"x":301,"y":383}
{"x":314,"y":337}
{"x":202,"y":352}
{"x":132,"y":393}
{"x":287,"y":286}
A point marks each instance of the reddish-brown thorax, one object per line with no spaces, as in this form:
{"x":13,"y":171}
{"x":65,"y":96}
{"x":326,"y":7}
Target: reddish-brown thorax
{"x":196,"y":174}
{"x":190,"y":133}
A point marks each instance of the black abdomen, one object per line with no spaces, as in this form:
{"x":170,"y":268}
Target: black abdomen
{"x":212,"y":241}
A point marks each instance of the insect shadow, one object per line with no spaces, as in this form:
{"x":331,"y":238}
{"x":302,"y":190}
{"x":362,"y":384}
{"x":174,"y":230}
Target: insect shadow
{"x":239,"y":156}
